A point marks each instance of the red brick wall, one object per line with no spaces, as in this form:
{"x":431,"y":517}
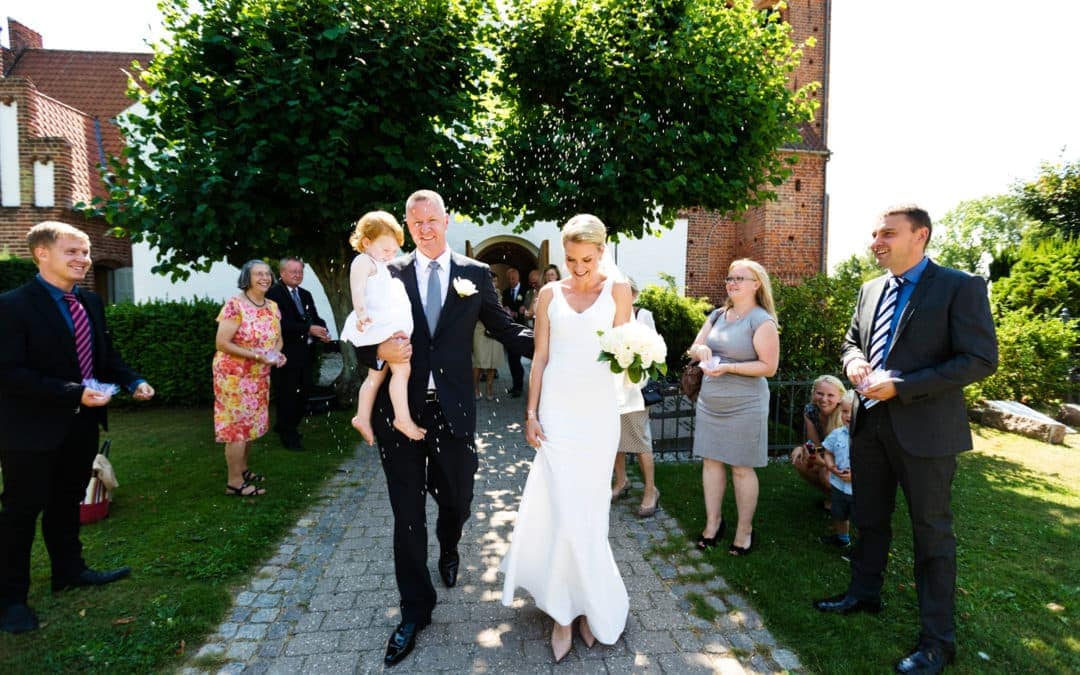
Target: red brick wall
{"x":50,"y":130}
{"x":786,"y":236}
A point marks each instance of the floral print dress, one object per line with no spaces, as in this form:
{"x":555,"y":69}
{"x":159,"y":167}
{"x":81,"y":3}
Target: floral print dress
{"x":242,"y":386}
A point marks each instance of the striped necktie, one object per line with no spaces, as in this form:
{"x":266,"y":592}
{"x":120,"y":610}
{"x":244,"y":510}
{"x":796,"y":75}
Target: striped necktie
{"x":879,"y":339}
{"x":84,"y":347}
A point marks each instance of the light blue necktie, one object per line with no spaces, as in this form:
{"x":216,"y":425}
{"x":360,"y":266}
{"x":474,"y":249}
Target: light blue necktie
{"x":434,"y":297}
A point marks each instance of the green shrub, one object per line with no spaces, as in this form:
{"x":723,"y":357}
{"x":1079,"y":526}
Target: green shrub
{"x":1034,"y":359}
{"x":1045,"y":278}
{"x":14,"y":271}
{"x":814,"y":316}
{"x":677,"y":317}
{"x":171,"y":344}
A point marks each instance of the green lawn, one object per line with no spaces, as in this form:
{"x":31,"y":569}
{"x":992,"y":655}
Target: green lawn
{"x":187,"y":542}
{"x":1017,"y":507}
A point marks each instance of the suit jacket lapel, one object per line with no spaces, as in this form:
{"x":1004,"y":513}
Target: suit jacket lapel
{"x":451,"y":294}
{"x":866,"y":328}
{"x":917,"y":296}
{"x":56,"y":324}
{"x":407,"y":274}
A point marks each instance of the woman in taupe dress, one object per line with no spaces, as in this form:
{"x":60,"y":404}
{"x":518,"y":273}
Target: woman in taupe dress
{"x":738,"y":347}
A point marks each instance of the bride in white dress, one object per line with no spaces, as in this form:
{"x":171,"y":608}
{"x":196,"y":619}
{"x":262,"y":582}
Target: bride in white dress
{"x":559,"y":551}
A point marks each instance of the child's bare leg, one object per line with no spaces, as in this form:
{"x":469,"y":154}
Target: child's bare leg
{"x":476,"y":382}
{"x":841,"y":526}
{"x":399,"y":398}
{"x":365,"y":402}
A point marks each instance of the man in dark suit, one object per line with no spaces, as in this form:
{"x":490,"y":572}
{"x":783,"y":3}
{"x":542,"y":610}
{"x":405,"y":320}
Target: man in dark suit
{"x":300,"y":328}
{"x":513,"y":299}
{"x":917,"y":337}
{"x":54,"y":339}
{"x":449,"y":293}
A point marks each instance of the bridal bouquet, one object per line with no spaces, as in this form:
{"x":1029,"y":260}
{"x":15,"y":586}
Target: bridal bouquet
{"x":633,"y":349}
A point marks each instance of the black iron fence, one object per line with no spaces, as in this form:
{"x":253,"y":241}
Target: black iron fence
{"x":673,"y":418}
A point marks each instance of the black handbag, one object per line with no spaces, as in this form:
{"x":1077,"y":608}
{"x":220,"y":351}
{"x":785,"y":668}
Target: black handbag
{"x":652,"y":393}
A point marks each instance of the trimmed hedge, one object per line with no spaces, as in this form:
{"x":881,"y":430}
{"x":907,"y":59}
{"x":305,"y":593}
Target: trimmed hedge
{"x":14,"y":271}
{"x":678,"y":319}
{"x":171,"y":344}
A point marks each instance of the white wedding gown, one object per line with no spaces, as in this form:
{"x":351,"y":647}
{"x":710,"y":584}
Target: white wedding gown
{"x":559,"y":551}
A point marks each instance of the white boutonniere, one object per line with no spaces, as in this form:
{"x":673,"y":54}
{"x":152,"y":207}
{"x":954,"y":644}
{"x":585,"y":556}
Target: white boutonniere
{"x":464,"y":287}
{"x":520,"y":297}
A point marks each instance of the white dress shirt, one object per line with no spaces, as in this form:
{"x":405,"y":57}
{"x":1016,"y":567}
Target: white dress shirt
{"x":423,"y":275}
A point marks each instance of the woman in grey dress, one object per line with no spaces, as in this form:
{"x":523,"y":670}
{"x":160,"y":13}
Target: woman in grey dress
{"x":738,"y":347}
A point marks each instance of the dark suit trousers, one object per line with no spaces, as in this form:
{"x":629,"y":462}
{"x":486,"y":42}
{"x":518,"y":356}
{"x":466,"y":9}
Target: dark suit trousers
{"x":444,"y":466}
{"x":517,"y":371}
{"x":290,"y":395}
{"x":53,"y":483}
{"x":878,"y":465}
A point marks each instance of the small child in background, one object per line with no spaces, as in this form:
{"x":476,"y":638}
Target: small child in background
{"x":836,"y":453}
{"x":381,"y":308}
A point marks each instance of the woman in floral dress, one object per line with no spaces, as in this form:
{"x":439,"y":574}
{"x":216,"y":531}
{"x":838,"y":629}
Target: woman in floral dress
{"x":248,"y":345}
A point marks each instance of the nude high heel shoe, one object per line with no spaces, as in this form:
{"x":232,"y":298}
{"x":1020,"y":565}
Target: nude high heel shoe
{"x":586,"y":634}
{"x":560,"y":647}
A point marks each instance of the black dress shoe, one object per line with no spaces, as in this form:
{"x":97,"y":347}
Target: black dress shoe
{"x":18,"y":618}
{"x":847,"y":604}
{"x":89,"y":577}
{"x":402,"y":641}
{"x":925,"y":660}
{"x":448,"y":568}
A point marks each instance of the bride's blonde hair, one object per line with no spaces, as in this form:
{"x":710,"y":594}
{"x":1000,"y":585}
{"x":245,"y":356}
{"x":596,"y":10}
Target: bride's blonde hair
{"x":585,"y":228}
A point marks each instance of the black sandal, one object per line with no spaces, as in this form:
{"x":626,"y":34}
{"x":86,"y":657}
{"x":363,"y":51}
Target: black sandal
{"x":239,"y":491}
{"x":742,"y":550}
{"x":252,"y":477}
{"x":705,"y":543}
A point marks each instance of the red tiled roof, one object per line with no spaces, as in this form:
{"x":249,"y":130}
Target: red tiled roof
{"x":810,"y":141}
{"x":93,"y":82}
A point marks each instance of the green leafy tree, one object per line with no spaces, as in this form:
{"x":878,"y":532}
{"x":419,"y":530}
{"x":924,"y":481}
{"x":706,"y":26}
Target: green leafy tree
{"x":678,"y":319}
{"x":1045,"y":279}
{"x":857,"y":269}
{"x":1053,"y":199}
{"x":272,"y":125}
{"x":814,"y":316}
{"x":1037,"y":354}
{"x":633,"y":109}
{"x":977,"y":232}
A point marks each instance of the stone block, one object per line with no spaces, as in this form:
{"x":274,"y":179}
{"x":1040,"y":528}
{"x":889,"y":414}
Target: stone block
{"x":1017,"y":418}
{"x":1069,"y":413}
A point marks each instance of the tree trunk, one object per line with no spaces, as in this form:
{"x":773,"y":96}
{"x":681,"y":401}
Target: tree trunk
{"x":333,"y":272}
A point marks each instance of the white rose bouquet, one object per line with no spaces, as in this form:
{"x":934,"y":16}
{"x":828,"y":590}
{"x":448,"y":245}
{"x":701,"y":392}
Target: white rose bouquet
{"x":634,"y":349}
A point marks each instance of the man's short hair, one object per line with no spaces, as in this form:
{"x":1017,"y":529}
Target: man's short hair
{"x":288,"y":259}
{"x":47,"y":232}
{"x":916,"y":215}
{"x":425,"y":196}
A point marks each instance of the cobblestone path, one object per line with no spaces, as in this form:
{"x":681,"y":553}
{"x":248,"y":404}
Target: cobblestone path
{"x":327,"y":601}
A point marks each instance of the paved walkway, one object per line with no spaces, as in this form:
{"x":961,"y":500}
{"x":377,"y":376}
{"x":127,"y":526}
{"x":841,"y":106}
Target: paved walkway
{"x":327,"y":601}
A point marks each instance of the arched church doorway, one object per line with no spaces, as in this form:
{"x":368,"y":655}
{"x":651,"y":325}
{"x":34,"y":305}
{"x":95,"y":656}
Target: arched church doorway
{"x":502,"y":252}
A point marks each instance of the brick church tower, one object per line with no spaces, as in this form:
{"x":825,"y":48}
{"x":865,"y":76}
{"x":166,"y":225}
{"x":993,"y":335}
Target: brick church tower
{"x":788,"y":236}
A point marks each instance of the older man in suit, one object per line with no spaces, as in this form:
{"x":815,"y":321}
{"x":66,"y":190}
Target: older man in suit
{"x":513,"y":299}
{"x":54,"y":343}
{"x":918,"y":335}
{"x":449,"y":294}
{"x":301,"y":327}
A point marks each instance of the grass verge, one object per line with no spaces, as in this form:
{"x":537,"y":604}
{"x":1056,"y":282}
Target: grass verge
{"x":1016,"y":505}
{"x":187,"y":542}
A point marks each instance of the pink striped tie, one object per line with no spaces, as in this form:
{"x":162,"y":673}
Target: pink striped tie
{"x":84,"y":348}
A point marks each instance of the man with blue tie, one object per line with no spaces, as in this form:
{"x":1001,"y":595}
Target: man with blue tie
{"x":918,"y":336}
{"x":301,"y":326}
{"x":53,"y":349}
